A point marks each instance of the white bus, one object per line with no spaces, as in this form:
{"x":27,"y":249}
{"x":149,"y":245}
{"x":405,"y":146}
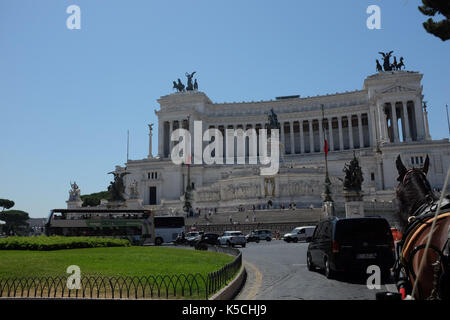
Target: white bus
{"x":167,"y":228}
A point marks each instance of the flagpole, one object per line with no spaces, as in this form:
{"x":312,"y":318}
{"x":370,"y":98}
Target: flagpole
{"x":448,"y":122}
{"x":327,"y":193}
{"x":128,"y":144}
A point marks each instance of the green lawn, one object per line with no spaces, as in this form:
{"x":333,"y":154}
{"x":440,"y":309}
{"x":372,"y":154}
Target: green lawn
{"x":125,"y":261}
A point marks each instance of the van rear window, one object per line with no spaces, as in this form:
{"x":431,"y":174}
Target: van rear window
{"x":363,"y":230}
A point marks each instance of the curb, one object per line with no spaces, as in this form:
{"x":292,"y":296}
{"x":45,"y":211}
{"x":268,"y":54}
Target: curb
{"x":233,"y":288}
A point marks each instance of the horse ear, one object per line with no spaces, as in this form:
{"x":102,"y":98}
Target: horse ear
{"x":426,"y":165}
{"x":400,"y":168}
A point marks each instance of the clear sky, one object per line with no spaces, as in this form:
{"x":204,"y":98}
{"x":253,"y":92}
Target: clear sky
{"x":68,"y":97}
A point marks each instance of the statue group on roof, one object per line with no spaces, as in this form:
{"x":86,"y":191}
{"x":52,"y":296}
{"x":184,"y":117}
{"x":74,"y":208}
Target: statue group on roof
{"x":387,"y":65}
{"x":180,"y":87}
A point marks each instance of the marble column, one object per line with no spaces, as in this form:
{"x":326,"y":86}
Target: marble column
{"x":350,"y":131}
{"x":171,"y":143}
{"x":311,"y":137}
{"x":406,"y":121}
{"x":394,"y":121}
{"x":291,"y":128}
{"x":330,"y":134}
{"x":427,"y":128}
{"x":341,"y":135}
{"x":150,"y":137}
{"x":321,"y":144}
{"x":302,"y":142}
{"x":382,"y":122}
{"x":282,"y":137}
{"x":160,"y":138}
{"x":423,"y":131}
{"x":360,"y":129}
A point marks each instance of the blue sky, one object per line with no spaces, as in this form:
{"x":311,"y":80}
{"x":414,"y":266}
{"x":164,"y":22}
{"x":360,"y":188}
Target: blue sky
{"x":68,"y":97}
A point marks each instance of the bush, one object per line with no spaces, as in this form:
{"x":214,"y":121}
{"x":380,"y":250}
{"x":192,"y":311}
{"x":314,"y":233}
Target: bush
{"x":44,"y":243}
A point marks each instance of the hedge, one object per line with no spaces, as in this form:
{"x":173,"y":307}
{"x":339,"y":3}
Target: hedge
{"x":44,"y":243}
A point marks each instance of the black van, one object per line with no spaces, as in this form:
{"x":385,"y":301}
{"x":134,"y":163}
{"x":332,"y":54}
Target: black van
{"x":351,"y":244}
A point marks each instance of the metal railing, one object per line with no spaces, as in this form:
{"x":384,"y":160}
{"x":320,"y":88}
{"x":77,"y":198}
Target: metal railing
{"x":192,"y":286}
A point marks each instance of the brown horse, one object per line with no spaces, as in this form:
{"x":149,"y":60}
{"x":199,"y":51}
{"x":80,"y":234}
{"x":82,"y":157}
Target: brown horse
{"x":418,"y":204}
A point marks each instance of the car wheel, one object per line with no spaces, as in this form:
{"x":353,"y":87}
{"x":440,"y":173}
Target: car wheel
{"x":328,"y":271}
{"x":268,"y":239}
{"x":309,"y":262}
{"x":158,"y":241}
{"x":308,"y":239}
{"x":257,"y":240}
{"x":287,"y":240}
{"x":295,"y":240}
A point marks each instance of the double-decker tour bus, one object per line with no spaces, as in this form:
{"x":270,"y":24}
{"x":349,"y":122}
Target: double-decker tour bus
{"x":134,"y":225}
{"x":138,"y":226}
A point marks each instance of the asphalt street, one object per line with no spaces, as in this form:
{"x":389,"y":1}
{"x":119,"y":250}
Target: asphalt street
{"x":277,"y":270}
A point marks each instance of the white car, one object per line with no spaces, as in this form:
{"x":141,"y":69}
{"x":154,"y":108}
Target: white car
{"x":300,"y":234}
{"x":232,"y":238}
{"x":192,"y":237}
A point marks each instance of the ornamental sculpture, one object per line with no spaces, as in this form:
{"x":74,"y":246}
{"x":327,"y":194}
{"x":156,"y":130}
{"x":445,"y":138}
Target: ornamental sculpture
{"x":387,"y":65}
{"x":117,"y":187}
{"x":74,"y":192}
{"x":191,"y":86}
{"x":353,"y":176}
{"x":273,"y":120}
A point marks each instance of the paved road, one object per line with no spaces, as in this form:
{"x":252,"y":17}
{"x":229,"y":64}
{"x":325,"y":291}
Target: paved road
{"x":277,"y":270}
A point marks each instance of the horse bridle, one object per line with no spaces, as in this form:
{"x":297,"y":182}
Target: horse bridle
{"x":402,"y":265}
{"x":423,"y":213}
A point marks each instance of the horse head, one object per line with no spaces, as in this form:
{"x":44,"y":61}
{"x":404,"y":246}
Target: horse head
{"x":413,"y":188}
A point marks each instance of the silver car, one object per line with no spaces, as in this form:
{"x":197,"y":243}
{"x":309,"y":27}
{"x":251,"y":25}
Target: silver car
{"x":232,"y":238}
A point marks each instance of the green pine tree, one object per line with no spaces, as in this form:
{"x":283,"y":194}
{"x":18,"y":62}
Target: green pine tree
{"x":440,"y":29}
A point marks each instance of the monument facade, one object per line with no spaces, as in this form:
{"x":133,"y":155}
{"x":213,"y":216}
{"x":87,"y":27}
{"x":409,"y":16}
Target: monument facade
{"x":376,"y":123}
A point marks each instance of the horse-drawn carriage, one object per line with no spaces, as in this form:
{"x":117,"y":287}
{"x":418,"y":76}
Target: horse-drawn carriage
{"x":422,"y":269}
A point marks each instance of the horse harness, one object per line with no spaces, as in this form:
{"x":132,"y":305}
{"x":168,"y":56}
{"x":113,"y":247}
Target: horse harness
{"x":403,"y":269}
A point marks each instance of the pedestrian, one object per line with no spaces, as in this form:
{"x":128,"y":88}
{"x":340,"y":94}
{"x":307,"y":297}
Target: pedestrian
{"x":246,"y":219}
{"x":254,"y":218}
{"x":231,"y":219}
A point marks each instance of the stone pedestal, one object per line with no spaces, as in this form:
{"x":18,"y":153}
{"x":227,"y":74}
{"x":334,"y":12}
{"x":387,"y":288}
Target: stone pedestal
{"x":354,"y":204}
{"x":74,"y":204}
{"x":328,"y":209}
{"x":134,"y":203}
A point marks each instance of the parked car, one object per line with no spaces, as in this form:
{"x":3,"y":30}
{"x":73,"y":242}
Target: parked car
{"x":351,"y":244}
{"x":232,"y":238}
{"x":207,"y":239}
{"x":300,"y":234}
{"x":257,"y":235}
{"x":192,"y":237}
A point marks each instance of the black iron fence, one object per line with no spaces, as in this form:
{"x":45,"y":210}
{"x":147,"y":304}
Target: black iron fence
{"x":192,"y":286}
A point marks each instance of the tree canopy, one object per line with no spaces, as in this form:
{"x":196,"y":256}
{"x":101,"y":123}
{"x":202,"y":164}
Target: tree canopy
{"x":15,"y":220}
{"x":6,"y":204}
{"x":93,"y":199}
{"x":440,"y":29}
